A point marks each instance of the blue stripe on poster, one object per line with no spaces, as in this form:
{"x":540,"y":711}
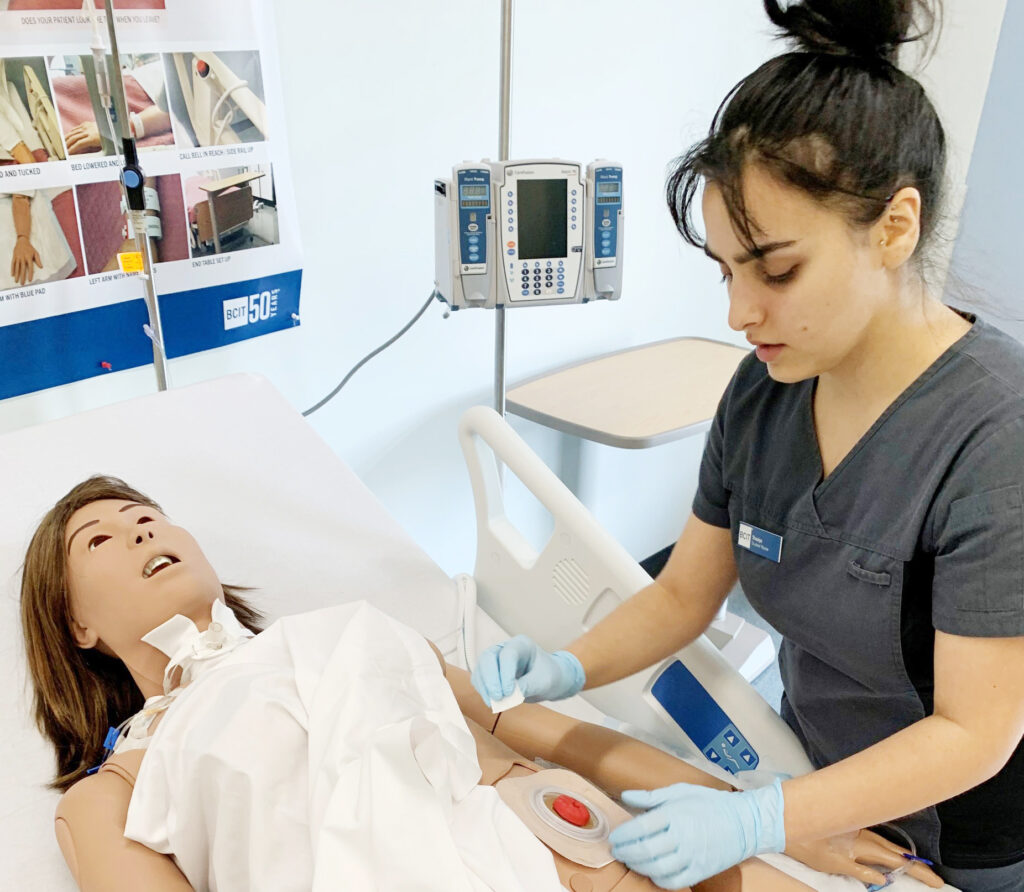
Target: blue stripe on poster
{"x":60,"y":349}
{"x":225,"y":314}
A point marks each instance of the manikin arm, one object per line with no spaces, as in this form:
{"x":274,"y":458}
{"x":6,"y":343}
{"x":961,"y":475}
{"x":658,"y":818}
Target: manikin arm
{"x":612,"y":761}
{"x":22,"y":154}
{"x":25,"y":257}
{"x":90,"y":823}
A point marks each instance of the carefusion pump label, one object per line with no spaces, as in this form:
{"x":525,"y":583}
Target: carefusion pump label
{"x":250,"y":308}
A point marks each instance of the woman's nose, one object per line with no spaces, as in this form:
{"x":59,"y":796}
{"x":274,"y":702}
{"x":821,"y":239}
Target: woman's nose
{"x":744,"y":307}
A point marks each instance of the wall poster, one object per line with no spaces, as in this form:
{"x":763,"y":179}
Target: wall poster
{"x":203,"y":90}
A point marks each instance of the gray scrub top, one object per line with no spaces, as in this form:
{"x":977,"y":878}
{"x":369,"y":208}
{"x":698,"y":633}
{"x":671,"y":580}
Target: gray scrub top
{"x":920,"y":527}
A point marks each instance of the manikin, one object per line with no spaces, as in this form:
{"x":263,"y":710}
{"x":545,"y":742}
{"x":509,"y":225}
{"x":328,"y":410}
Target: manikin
{"x":106,"y":568}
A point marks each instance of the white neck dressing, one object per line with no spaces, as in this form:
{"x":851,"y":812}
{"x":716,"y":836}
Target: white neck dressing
{"x":189,"y":649}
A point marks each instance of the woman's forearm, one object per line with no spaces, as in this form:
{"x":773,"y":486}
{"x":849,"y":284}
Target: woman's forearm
{"x":666,"y":615}
{"x":929,"y":762}
{"x":976,"y":726}
{"x":645,"y":629}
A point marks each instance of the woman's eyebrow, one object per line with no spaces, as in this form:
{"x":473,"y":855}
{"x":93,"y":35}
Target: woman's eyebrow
{"x":756,"y":253}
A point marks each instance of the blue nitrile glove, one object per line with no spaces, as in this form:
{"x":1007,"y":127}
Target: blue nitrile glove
{"x":692,"y":833}
{"x":541,"y":675}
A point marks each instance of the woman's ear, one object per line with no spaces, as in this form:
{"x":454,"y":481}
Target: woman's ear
{"x":898,"y":230}
{"x":84,"y":637}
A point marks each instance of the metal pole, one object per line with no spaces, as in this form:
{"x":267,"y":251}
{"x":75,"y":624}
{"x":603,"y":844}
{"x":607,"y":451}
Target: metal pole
{"x":504,"y":112}
{"x":137,"y":215}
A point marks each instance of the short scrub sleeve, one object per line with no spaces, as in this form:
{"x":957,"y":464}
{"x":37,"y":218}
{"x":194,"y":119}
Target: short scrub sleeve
{"x":711,"y":503}
{"x":978,"y":585}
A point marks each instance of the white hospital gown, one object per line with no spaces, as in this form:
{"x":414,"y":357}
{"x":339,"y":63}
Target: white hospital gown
{"x":328,"y":753}
{"x":15,"y":122}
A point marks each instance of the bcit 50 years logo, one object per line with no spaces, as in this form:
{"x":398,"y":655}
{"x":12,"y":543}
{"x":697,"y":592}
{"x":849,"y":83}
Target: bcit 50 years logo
{"x":245,"y":310}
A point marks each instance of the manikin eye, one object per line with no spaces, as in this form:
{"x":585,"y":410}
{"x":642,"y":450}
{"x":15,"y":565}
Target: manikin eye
{"x":96,"y":541}
{"x":144,"y":519}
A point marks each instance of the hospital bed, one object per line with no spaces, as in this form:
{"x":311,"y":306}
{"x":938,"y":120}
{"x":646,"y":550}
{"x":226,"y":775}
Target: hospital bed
{"x":273,"y":508}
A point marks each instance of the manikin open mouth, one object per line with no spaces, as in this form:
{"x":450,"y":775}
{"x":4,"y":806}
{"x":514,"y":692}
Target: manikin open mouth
{"x":156,"y":564}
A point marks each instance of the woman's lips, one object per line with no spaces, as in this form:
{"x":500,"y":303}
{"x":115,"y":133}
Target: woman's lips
{"x":769,"y":352}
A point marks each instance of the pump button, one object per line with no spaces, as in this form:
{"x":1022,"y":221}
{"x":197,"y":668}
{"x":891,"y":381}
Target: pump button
{"x":571,"y":810}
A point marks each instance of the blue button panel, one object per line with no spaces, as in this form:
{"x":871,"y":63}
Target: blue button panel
{"x":607,"y":202}
{"x":474,"y":197}
{"x":702,"y":719}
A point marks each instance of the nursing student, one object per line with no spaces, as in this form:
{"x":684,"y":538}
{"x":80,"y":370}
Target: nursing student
{"x":873,"y":445}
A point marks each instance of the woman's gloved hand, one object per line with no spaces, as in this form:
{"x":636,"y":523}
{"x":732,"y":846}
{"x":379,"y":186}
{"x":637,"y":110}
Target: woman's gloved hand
{"x":541,"y":675}
{"x":691,"y":833}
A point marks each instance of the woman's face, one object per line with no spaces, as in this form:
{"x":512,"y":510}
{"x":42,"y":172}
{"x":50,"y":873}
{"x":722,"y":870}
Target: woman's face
{"x":808,"y":301}
{"x":129,"y":570}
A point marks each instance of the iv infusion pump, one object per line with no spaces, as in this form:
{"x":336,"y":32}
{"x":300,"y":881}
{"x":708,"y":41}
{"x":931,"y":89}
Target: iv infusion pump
{"x":528,"y":233}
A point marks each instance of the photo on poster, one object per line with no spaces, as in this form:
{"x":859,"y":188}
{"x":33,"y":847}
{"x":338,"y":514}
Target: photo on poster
{"x":231,"y":209}
{"x":28,"y":125}
{"x":39,"y":237}
{"x":83,"y":116}
{"x":22,"y":5}
{"x":106,"y":230}
{"x":216,"y":99}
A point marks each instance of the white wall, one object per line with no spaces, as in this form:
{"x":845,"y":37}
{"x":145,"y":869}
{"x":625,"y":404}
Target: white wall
{"x":382,"y":98}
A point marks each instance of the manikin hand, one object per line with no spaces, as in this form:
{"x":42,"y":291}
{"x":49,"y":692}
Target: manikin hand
{"x":852,"y":853}
{"x":23,"y":259}
{"x":83,"y":138}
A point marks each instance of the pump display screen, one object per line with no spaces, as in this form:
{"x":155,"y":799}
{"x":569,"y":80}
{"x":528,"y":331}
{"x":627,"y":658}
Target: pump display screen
{"x":607,"y":187}
{"x":474,"y":196}
{"x":542,"y":218}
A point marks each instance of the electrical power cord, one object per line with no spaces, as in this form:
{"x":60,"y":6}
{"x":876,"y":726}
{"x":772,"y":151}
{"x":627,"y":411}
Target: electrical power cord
{"x":433,"y":296}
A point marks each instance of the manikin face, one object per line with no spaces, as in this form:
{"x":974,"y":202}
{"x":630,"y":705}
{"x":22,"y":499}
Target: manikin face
{"x":808,"y":304}
{"x":129,"y":570}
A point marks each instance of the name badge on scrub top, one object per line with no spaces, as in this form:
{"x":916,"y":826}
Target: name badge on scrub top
{"x":760,"y":542}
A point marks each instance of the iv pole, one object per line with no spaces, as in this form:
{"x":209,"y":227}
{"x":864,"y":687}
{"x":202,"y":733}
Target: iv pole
{"x":132,"y":182}
{"x":504,"y":111}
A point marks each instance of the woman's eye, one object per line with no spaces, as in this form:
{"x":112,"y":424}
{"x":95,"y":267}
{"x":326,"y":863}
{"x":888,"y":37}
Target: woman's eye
{"x":782,"y":278}
{"x":97,"y":540}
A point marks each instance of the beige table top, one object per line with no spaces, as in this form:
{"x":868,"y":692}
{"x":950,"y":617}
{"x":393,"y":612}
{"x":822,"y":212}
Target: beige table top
{"x":634,"y":398}
{"x":228,"y":182}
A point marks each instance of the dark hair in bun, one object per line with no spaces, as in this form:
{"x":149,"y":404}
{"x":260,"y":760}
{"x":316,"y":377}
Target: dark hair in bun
{"x":865,"y":28}
{"x":836,"y":118}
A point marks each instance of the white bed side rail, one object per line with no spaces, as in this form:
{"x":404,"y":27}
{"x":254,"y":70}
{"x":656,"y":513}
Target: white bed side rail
{"x":579,"y":577}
